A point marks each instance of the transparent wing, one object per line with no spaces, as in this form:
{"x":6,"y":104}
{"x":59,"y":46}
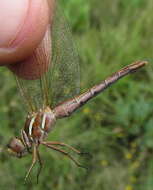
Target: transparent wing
{"x":61,"y":78}
{"x":65,"y":75}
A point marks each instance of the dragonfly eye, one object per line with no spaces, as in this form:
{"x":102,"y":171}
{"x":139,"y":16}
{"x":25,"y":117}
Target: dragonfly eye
{"x":16,"y":147}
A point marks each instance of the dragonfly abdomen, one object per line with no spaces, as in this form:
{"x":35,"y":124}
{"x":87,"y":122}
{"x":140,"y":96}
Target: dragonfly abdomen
{"x":66,"y":108}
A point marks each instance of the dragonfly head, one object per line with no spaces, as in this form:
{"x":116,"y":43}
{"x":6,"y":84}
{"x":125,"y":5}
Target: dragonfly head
{"x":16,"y":147}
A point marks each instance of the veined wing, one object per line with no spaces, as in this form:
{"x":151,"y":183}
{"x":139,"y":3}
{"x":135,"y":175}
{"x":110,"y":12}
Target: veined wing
{"x":61,"y":79}
{"x":65,"y":75}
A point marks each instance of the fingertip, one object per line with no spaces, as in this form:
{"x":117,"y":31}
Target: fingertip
{"x":25,"y":33}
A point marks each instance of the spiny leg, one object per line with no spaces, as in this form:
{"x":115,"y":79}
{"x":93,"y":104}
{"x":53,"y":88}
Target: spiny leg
{"x":40,"y":164}
{"x":68,"y":146}
{"x":25,"y":141}
{"x":63,"y":152}
{"x":34,"y":159}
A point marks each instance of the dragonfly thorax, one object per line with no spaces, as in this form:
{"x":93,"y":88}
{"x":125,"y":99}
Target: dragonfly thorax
{"x":36,"y":128}
{"x":39,"y":125}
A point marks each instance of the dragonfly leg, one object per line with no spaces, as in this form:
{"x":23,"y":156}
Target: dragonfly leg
{"x":25,"y":140}
{"x":63,"y":152}
{"x":34,"y":159}
{"x":68,"y":146}
{"x":40,"y":164}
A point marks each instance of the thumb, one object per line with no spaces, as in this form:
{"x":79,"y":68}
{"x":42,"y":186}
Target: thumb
{"x":23,"y":24}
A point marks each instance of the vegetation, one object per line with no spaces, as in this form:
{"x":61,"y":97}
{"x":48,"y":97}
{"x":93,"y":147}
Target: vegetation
{"x":116,"y":127}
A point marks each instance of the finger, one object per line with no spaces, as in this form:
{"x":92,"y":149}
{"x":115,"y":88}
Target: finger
{"x":23,"y":25}
{"x":37,"y":64}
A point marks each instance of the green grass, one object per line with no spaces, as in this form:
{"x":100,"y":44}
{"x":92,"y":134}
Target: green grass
{"x":117,"y":126}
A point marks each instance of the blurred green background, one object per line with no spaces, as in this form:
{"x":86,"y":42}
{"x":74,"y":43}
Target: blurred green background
{"x":116,"y":127}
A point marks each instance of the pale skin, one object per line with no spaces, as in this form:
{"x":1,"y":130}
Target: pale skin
{"x":25,"y":26}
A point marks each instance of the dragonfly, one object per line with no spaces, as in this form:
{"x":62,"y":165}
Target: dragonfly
{"x":55,"y":94}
